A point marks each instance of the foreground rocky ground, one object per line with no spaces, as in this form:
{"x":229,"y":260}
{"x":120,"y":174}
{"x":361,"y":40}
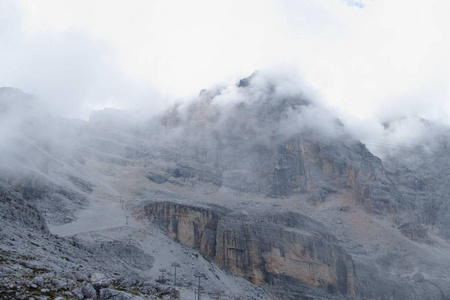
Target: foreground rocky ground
{"x":38,"y":265}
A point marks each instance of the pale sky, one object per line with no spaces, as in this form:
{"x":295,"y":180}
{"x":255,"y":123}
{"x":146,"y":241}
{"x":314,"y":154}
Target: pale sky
{"x":368,"y":58}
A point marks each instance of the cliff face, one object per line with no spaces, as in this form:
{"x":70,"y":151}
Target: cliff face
{"x":265,"y":248}
{"x":191,"y":226}
{"x":282,"y":247}
{"x":299,"y":165}
{"x":321,"y":168}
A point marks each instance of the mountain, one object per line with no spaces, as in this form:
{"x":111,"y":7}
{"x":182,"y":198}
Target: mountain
{"x":256,"y":185}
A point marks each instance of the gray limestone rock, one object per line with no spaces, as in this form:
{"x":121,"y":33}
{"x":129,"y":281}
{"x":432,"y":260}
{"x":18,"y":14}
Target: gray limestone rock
{"x":88,"y":290}
{"x":78,"y":293}
{"x":39,"y":281}
{"x":156,"y":177}
{"x":111,"y":294}
{"x":418,"y":277}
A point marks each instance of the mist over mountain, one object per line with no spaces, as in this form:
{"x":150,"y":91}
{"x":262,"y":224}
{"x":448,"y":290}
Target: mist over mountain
{"x":256,"y":185}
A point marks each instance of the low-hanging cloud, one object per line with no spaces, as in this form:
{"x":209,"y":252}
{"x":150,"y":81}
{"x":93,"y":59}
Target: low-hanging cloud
{"x":275,"y":104}
{"x":68,"y":69}
{"x":268,"y":107}
{"x":359,"y":56}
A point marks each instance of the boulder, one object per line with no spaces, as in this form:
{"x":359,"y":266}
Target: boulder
{"x":88,"y":290}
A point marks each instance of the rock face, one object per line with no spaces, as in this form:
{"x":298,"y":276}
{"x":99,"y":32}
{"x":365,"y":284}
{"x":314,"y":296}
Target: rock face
{"x":283,"y":248}
{"x":191,"y":226}
{"x":277,"y":249}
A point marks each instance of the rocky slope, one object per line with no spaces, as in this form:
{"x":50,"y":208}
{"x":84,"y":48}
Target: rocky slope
{"x":259,"y":180}
{"x":35,"y":263}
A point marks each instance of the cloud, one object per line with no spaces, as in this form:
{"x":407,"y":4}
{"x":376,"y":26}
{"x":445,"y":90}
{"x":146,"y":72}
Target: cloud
{"x":360,"y":59}
{"x":272,"y":105}
{"x":68,"y":69}
{"x":360,"y":55}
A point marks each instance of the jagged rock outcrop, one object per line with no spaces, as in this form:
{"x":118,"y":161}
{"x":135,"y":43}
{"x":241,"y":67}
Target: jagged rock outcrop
{"x":265,"y":248}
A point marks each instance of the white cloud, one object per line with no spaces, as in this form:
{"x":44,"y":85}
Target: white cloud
{"x":67,"y":68}
{"x":361,"y":55}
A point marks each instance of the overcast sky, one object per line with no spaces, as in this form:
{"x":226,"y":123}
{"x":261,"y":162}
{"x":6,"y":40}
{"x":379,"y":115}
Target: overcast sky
{"x":369,"y":58}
